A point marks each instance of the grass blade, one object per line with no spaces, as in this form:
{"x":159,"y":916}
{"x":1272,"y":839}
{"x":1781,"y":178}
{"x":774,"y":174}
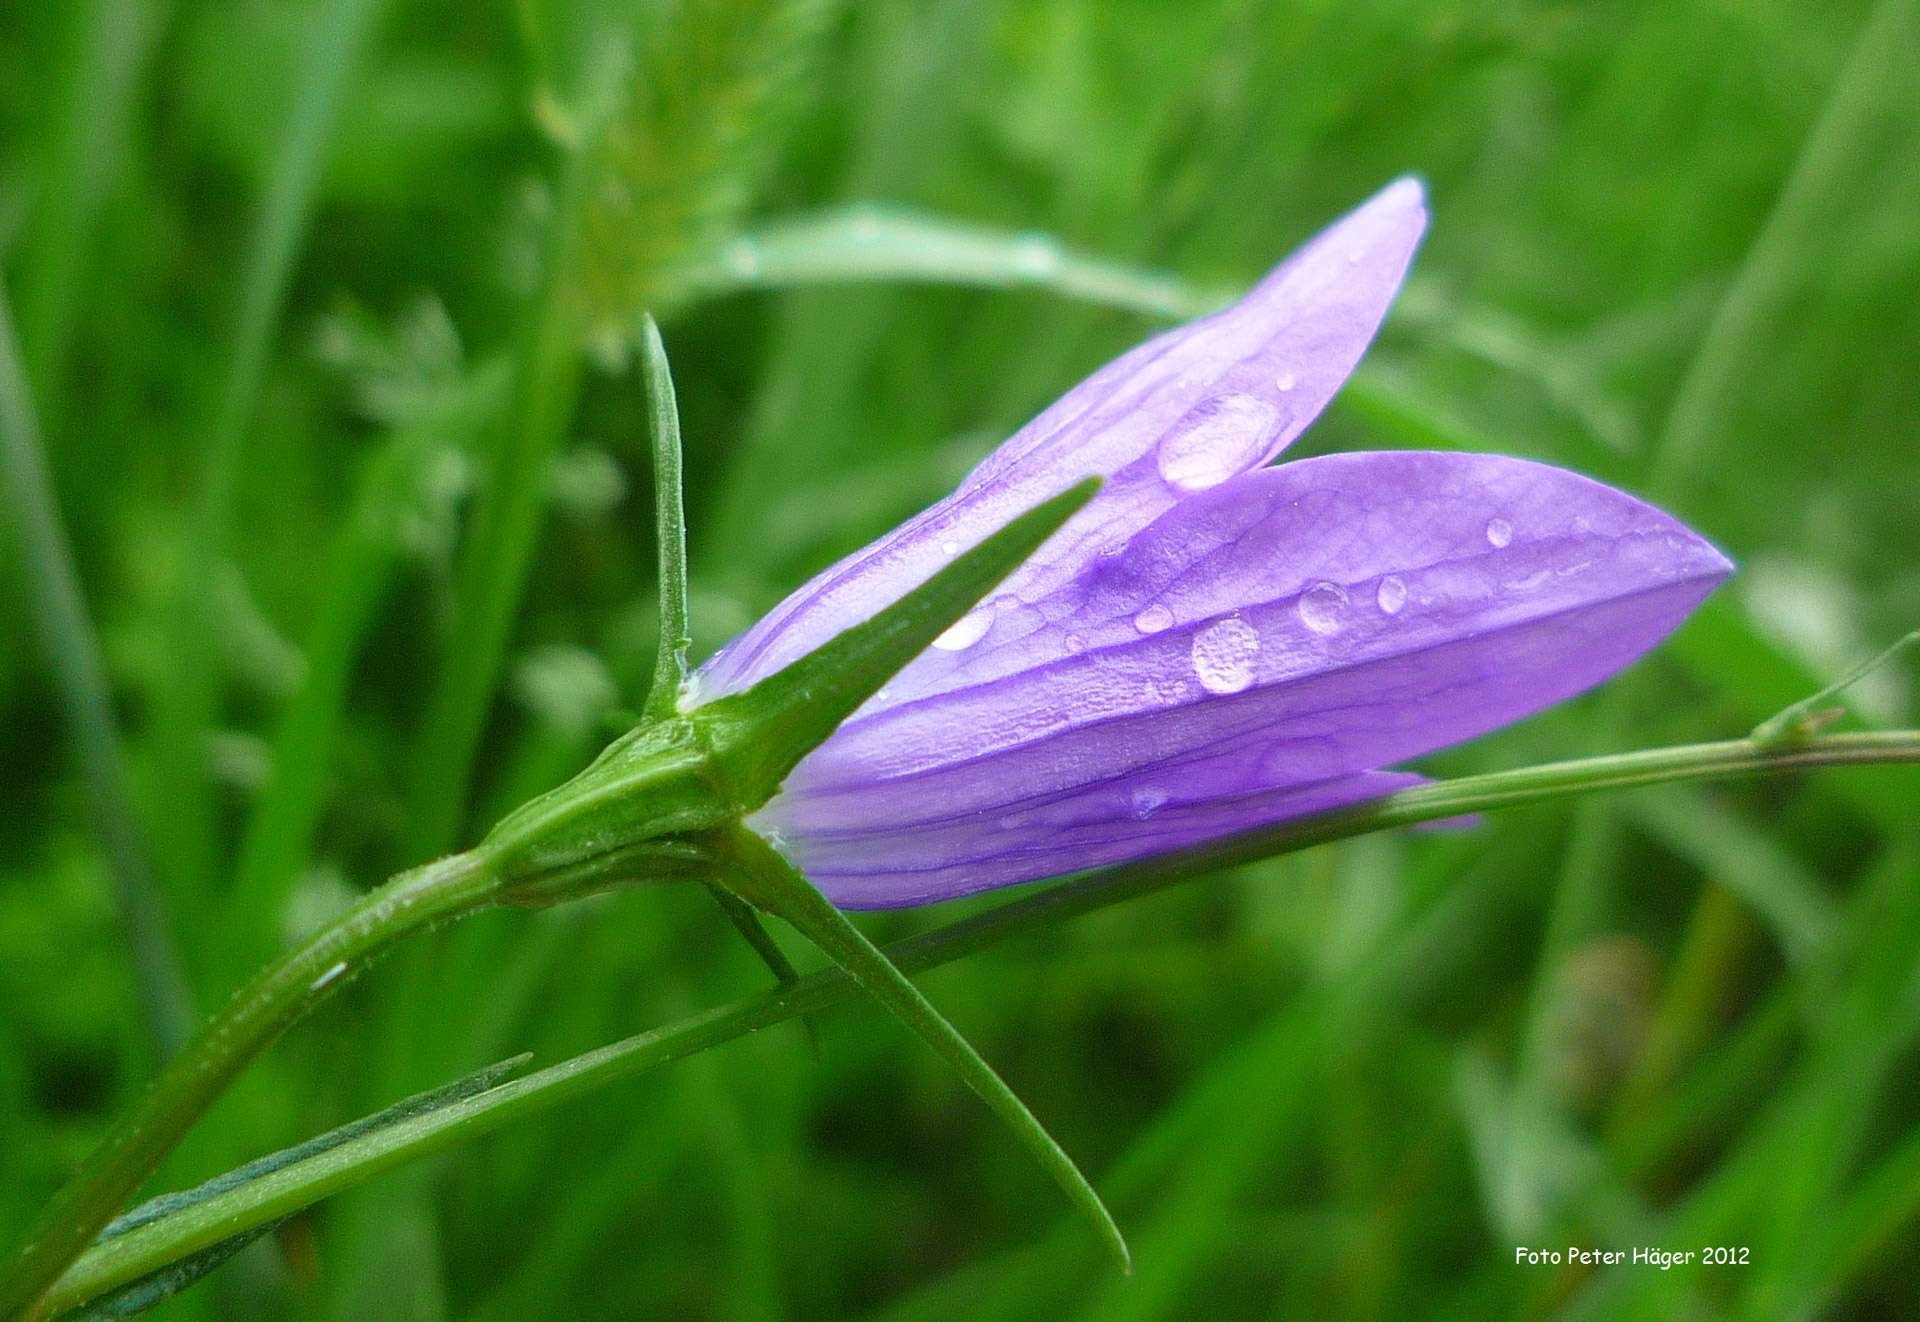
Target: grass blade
{"x":73,"y":654}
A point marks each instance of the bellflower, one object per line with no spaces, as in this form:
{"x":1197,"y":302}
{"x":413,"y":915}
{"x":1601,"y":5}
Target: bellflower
{"x":1212,"y":644}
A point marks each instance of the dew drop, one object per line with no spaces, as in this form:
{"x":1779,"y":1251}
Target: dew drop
{"x":949,"y":548}
{"x":966,"y":631}
{"x":1499,"y":531}
{"x":1391,"y":596}
{"x":1287,"y":381}
{"x":1147,"y":801}
{"x":1322,"y":606}
{"x":1223,"y":656}
{"x":1075,"y":644}
{"x":1217,"y":440}
{"x":1153,"y":619}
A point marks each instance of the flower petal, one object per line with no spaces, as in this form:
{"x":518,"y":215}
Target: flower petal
{"x":1151,"y":812}
{"x":1311,"y":621}
{"x":1177,"y":415}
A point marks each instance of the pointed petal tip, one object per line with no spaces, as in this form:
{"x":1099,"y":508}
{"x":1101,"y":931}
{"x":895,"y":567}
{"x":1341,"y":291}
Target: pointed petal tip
{"x":1402,"y":205}
{"x":1409,"y":191}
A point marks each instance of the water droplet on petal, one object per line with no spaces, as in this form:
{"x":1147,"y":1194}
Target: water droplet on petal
{"x":1075,"y":644}
{"x":1322,"y":606}
{"x":1218,"y":440}
{"x":1223,"y":656}
{"x":949,"y":548}
{"x":1499,"y":531}
{"x":1391,"y":596}
{"x":966,"y":631}
{"x":1147,"y":801}
{"x":1153,"y":619}
{"x":1287,"y":381}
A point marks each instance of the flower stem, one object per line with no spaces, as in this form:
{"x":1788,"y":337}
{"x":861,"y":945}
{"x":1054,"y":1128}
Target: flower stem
{"x":300,"y":1185}
{"x":258,"y":1014}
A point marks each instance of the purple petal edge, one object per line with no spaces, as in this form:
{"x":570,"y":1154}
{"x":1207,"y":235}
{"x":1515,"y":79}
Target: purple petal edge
{"x":1179,"y":414}
{"x":1130,"y":818}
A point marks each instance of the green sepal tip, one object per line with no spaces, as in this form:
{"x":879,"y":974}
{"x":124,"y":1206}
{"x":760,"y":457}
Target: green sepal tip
{"x":760,"y":735}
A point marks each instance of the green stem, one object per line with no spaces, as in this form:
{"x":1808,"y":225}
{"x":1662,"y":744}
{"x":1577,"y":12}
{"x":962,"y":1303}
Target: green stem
{"x":73,"y":654}
{"x":152,"y":1246}
{"x":258,"y":1014}
{"x":747,"y":922}
{"x":770,"y":882}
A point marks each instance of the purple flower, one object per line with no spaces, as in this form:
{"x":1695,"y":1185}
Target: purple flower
{"x":1211,"y":644}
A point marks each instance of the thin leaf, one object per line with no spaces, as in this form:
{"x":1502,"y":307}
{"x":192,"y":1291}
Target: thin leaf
{"x":865,"y":242}
{"x":748,"y":924}
{"x":73,"y":655}
{"x":149,"y":1291}
{"x":669,"y":524}
{"x":769,"y":882}
{"x":1796,"y":722}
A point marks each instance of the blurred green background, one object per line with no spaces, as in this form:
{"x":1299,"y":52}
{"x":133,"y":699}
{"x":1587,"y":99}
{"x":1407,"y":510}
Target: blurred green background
{"x":325,"y":307}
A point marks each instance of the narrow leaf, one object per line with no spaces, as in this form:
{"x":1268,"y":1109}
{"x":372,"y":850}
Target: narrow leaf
{"x":748,"y":923}
{"x":769,"y":882}
{"x":1805,"y":717}
{"x":864,"y":242}
{"x":669,"y":525}
{"x":149,"y":1291}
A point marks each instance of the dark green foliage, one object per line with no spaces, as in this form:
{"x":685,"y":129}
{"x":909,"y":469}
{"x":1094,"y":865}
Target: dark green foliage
{"x":1676,"y":245}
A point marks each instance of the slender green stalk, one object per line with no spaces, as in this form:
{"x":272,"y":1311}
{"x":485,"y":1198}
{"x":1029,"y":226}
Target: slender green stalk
{"x":1804,"y":717}
{"x":746,"y":922}
{"x":769,"y":882}
{"x":670,"y":526}
{"x":135,"y":1254}
{"x":73,"y":654}
{"x":258,"y":1014}
{"x":190,"y":701}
